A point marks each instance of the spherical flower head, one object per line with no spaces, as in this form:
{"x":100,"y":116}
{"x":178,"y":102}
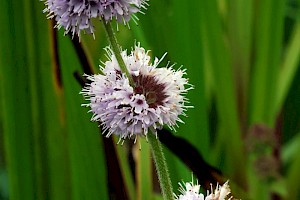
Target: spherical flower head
{"x":191,"y":191}
{"x":76,"y":15}
{"x":155,"y":99}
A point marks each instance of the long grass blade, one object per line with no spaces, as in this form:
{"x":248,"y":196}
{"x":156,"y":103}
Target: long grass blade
{"x":289,"y":67}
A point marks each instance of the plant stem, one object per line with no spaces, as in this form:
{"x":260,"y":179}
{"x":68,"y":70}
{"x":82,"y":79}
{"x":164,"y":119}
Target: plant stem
{"x":116,"y":50}
{"x":158,"y":156}
{"x":161,"y":167}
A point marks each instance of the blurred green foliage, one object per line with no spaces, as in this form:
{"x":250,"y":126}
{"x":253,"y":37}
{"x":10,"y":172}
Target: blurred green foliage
{"x":241,"y":56}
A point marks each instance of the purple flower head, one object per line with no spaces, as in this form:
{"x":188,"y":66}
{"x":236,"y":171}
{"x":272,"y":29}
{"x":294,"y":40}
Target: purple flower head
{"x":76,"y":15}
{"x":156,"y":99}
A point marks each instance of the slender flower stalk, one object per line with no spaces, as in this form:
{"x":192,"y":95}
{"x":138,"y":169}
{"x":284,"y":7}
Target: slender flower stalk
{"x":116,"y":50}
{"x":161,"y":167}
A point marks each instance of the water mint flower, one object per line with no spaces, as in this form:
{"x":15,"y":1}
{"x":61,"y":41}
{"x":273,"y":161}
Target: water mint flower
{"x":191,"y":191}
{"x":156,"y":99}
{"x":76,"y":15}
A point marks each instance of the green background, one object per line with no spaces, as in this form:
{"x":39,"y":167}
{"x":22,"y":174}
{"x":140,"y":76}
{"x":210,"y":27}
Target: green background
{"x":241,"y":56}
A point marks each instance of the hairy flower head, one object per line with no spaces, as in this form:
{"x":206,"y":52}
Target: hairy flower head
{"x":191,"y":191}
{"x":76,"y":15}
{"x":155,"y":99}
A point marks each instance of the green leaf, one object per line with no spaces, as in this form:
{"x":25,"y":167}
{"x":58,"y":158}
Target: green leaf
{"x":222,"y":72}
{"x":289,"y":66}
{"x":46,"y":155}
{"x":17,"y":63}
{"x":87,"y":164}
{"x":268,"y":44}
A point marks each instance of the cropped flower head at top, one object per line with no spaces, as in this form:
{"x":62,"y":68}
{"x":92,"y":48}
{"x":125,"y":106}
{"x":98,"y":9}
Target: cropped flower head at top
{"x":156,"y":99}
{"x":190,"y":191}
{"x":76,"y":15}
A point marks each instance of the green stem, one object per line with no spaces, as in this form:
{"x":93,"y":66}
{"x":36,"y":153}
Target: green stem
{"x":116,"y":50}
{"x":161,"y":167}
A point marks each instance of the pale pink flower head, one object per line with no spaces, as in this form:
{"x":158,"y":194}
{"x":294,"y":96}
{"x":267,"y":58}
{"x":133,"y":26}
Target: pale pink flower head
{"x":191,"y":191}
{"x":76,"y":15}
{"x":157,"y":97}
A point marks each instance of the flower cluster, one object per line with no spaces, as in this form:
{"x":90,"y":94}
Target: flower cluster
{"x":76,"y":15}
{"x":155,"y":99}
{"x":189,"y":191}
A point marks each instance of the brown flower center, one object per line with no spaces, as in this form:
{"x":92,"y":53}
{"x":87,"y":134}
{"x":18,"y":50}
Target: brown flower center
{"x":151,"y":89}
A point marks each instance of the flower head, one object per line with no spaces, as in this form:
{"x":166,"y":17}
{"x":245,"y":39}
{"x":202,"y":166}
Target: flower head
{"x":190,"y":191}
{"x":76,"y":15}
{"x":156,"y":99}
